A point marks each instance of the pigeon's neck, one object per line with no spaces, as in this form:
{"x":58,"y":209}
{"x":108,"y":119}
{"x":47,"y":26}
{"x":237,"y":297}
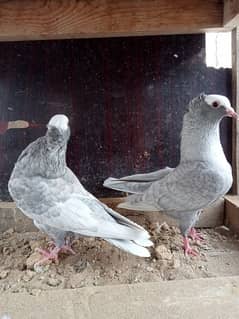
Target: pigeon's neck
{"x":42,"y":158}
{"x":54,"y":160}
{"x":201,"y":140}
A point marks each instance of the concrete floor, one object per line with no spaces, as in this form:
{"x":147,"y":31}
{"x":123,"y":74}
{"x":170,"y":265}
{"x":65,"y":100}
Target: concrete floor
{"x":212,"y":298}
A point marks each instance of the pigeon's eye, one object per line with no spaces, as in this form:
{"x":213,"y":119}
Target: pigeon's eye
{"x":215,"y":104}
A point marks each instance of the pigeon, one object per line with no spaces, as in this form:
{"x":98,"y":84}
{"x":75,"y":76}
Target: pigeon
{"x":202,"y":176}
{"x":47,"y":191}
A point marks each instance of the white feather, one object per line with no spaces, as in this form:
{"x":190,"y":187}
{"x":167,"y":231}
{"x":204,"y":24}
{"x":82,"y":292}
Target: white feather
{"x":144,"y":242}
{"x":141,"y":206}
{"x":221,"y":99}
{"x":130,"y":247}
{"x":59,"y":121}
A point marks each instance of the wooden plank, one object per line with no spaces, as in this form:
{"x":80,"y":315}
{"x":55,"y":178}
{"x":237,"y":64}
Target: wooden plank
{"x":232,"y":212}
{"x":213,"y":216}
{"x":235,"y":101}
{"x":54,"y":19}
{"x":231,"y":13}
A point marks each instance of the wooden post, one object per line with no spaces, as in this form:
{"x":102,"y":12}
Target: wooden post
{"x":231,"y":13}
{"x":235,"y":101}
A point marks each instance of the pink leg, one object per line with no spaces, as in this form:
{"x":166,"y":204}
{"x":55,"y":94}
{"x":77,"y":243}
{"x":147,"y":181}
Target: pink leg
{"x":187,"y":248}
{"x":53,"y":253}
{"x":195,"y":235}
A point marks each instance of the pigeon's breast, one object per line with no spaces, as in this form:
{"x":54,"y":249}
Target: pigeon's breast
{"x":223,"y":175}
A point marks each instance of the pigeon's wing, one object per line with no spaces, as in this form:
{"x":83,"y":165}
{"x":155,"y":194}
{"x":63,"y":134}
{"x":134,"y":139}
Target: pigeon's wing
{"x":191,"y":186}
{"x":94,"y":203}
{"x":61,"y":204}
{"x":138,"y":183}
{"x":53,"y":202}
{"x":84,"y":215}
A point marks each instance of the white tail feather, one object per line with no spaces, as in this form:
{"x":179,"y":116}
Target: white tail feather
{"x":141,"y":206}
{"x":126,"y":186}
{"x":144,"y":242}
{"x":130,"y":247}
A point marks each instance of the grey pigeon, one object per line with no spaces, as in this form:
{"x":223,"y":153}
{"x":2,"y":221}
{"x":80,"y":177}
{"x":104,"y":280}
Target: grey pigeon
{"x":202,"y":176}
{"x":48,"y":192}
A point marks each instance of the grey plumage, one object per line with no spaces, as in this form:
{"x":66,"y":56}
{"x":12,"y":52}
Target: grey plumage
{"x":202,"y":176}
{"x":136,"y":184}
{"x":47,"y":191}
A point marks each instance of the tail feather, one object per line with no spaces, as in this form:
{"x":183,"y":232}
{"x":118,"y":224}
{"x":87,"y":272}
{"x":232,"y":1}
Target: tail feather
{"x":139,"y":206}
{"x":144,"y":242}
{"x":130,"y":247}
{"x":148,"y":177}
{"x":136,"y":184}
{"x":125,"y":186}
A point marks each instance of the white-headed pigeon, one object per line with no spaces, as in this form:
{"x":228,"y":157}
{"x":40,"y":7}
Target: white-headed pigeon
{"x":48,"y":192}
{"x":202,"y":176}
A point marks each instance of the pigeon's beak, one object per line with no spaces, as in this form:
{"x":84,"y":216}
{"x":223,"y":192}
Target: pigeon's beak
{"x":232,"y":113}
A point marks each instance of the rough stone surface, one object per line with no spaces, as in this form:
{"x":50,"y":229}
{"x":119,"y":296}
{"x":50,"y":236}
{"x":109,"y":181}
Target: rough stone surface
{"x":162,"y":252}
{"x":32,"y":260}
{"x":4,"y":274}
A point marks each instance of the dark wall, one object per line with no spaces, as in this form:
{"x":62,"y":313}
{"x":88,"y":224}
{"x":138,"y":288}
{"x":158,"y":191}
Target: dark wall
{"x":125,"y":98}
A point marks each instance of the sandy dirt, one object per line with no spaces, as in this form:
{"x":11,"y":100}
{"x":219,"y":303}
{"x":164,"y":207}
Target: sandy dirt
{"x":98,"y":263}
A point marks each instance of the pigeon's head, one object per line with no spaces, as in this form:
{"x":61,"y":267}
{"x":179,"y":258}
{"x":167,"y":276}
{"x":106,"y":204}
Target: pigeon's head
{"x":58,"y":128}
{"x":59,"y":121}
{"x":212,"y":107}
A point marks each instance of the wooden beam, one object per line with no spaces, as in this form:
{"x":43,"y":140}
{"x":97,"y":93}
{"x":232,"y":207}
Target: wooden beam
{"x":12,"y":217}
{"x":212,"y":216}
{"x":232,"y":212}
{"x":231,"y":13}
{"x":235,"y":103}
{"x":58,"y":19}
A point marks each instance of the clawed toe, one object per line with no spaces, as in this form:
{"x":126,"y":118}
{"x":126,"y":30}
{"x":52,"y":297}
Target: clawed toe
{"x":195,"y":235}
{"x":188,"y":250}
{"x":51,"y":255}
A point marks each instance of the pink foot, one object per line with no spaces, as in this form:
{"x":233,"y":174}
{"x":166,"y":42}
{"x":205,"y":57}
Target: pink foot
{"x":195,"y":235}
{"x":51,"y":255}
{"x":187,"y":248}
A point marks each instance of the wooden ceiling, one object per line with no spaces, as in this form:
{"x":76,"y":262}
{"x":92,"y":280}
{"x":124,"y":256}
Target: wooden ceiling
{"x":61,"y":19}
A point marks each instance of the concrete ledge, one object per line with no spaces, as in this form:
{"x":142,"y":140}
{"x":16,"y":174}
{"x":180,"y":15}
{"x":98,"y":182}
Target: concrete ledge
{"x":12,"y":217}
{"x":205,"y":298}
